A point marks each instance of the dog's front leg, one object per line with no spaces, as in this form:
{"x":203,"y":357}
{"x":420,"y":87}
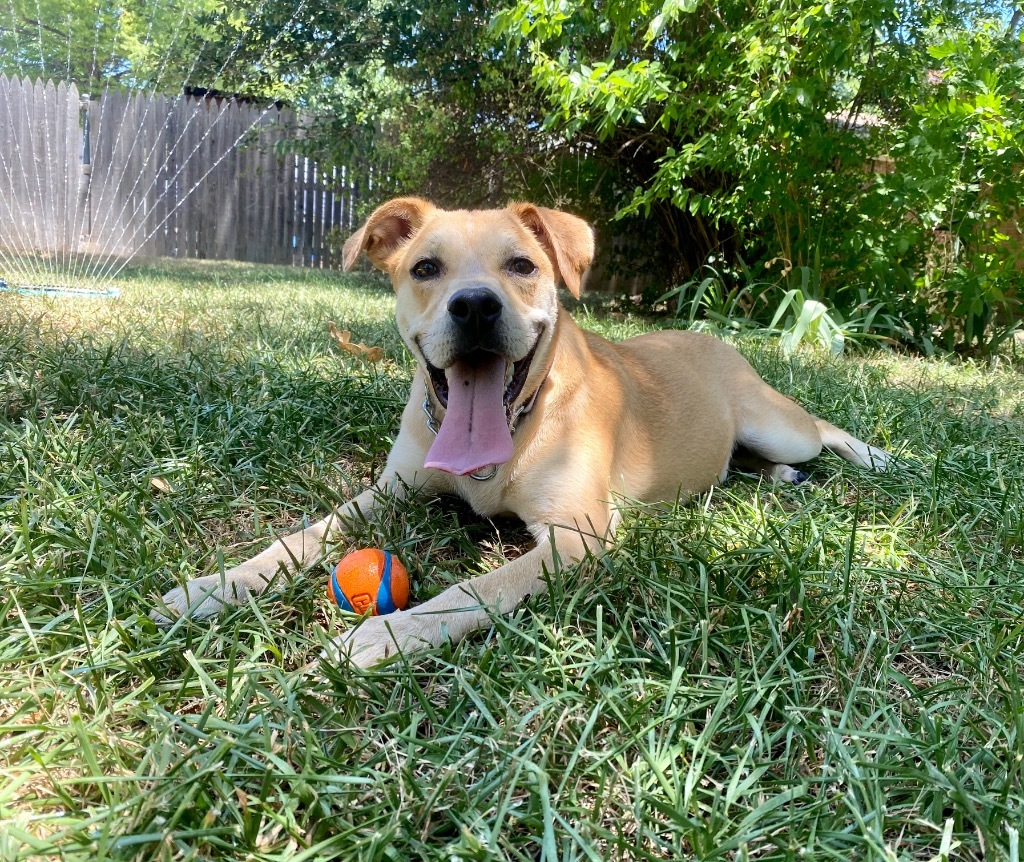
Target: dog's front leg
{"x":204,"y":596}
{"x":462,"y":608}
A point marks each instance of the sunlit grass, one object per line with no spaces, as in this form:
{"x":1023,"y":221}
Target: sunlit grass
{"x":825,"y":672}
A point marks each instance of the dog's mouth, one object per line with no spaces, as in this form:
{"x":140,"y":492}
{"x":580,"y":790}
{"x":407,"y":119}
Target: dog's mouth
{"x":516,"y":374}
{"x":478,"y":391}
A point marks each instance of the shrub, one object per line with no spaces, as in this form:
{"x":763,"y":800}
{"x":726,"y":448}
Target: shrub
{"x":741,"y":128}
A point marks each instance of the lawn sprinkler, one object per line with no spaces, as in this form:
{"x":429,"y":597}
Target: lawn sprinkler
{"x":60,"y":290}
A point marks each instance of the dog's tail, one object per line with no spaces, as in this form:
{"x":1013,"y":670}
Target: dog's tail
{"x":849,"y":447}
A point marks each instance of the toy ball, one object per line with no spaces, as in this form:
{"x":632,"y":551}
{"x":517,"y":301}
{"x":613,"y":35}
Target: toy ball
{"x":370,"y":581}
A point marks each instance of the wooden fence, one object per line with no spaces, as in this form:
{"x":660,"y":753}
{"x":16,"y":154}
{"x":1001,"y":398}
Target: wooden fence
{"x":126,"y":174}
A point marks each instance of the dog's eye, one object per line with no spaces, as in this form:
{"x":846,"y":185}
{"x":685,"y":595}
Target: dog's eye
{"x":425,"y":269}
{"x":522,"y":266}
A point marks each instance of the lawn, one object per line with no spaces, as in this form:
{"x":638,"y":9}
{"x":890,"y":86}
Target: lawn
{"x":830,"y":671}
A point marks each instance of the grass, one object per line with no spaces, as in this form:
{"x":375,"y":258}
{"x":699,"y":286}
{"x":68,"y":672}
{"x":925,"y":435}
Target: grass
{"x":824,"y":672}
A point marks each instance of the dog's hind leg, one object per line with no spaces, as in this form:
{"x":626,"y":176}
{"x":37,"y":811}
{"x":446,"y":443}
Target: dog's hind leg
{"x":777,"y":430}
{"x":783,"y":433}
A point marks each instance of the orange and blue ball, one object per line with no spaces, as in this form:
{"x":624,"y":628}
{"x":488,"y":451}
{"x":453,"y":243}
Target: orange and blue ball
{"x":370,"y":581}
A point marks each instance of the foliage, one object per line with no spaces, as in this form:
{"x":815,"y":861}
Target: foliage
{"x":958,"y":186}
{"x":798,"y":318}
{"x":752,"y":126}
{"x":716,"y":132}
{"x":424,"y":91}
{"x":96,"y":42}
{"x":807,"y":320}
{"x":453,"y":115}
{"x":711,"y":298}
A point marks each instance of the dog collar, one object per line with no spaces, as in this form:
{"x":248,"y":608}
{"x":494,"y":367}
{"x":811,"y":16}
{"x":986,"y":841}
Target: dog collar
{"x":513,"y":418}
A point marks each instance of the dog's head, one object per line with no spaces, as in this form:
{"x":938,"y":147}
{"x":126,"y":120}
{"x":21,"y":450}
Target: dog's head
{"x":477,"y":306}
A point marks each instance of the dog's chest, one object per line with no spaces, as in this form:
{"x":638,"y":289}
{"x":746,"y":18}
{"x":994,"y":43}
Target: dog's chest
{"x":490,"y":498}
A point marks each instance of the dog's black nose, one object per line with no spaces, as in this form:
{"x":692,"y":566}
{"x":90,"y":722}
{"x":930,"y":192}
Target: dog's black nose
{"x":475,"y":310}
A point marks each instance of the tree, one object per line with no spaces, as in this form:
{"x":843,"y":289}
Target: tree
{"x":95,"y":42}
{"x":745,"y":128}
{"x":959,"y":185}
{"x":428,"y":89}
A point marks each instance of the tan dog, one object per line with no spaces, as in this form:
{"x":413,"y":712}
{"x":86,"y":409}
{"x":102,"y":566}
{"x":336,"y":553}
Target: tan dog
{"x":532,"y":415}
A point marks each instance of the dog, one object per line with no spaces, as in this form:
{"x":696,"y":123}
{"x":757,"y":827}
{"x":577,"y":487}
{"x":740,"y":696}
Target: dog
{"x":520,"y":412}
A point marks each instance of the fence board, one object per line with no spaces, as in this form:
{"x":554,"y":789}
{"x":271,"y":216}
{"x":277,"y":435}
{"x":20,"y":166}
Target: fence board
{"x":156,"y":244}
{"x":187,"y":143}
{"x":122,"y":174}
{"x":10,"y":214}
{"x":21,"y":199}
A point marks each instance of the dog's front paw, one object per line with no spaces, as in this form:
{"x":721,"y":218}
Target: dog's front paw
{"x":376,"y":639}
{"x":199,"y":598}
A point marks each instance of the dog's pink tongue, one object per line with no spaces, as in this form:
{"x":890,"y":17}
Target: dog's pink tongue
{"x":474,"y":433}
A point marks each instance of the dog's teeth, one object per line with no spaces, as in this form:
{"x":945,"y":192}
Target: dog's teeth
{"x":510,"y":369}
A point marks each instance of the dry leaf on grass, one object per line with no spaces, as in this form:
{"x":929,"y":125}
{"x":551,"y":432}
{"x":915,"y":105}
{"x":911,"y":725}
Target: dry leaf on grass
{"x":343,"y":339}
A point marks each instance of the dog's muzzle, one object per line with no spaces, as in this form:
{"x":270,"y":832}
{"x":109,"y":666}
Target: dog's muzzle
{"x":479,"y":391}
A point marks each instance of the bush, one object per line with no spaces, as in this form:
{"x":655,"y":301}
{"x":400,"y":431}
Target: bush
{"x":751,"y":128}
{"x":957,"y":187}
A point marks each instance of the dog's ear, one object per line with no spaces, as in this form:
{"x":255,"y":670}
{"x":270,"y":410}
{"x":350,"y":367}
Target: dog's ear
{"x":389,"y":226}
{"x":567,"y":239}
